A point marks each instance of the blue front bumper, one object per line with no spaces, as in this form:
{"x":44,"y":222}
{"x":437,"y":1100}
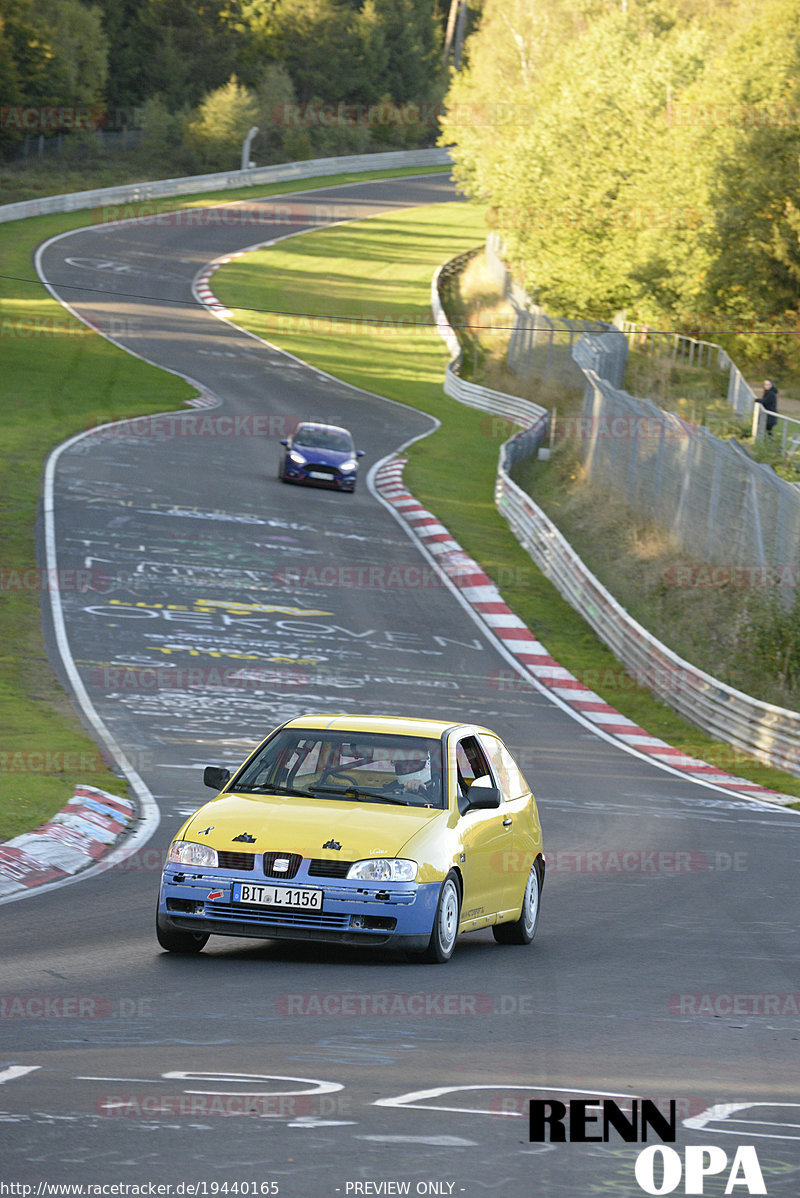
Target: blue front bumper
{"x":320,"y":476}
{"x":399,"y":914}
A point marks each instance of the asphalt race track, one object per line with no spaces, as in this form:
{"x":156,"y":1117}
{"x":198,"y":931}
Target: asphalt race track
{"x":666,"y":961}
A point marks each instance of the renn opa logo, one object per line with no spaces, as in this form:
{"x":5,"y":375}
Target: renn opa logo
{"x":659,"y":1169}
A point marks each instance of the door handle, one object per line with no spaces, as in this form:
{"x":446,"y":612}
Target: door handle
{"x":507,"y":823}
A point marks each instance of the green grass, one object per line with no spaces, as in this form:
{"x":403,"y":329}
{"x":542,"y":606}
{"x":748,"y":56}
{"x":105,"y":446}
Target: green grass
{"x":381,"y":269}
{"x":58,"y":378}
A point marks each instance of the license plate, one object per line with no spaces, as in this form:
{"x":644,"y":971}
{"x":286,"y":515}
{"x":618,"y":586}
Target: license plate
{"x":319,"y":474}
{"x":298,"y":898}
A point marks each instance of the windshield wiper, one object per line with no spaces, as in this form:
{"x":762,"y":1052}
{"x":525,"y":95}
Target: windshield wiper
{"x":358,"y":793}
{"x":279,"y":790}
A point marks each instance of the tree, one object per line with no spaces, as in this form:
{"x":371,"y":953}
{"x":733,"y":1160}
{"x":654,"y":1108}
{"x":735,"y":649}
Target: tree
{"x":178,"y":49}
{"x":220,"y":124}
{"x":78,"y":51}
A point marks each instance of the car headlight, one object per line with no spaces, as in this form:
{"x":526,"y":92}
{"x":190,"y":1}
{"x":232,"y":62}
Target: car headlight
{"x":186,"y":852}
{"x":350,"y":464}
{"x":297,"y":458}
{"x":383,"y":869}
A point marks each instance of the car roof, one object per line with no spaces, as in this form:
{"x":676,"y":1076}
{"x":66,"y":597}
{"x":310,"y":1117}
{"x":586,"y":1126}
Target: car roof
{"x":396,"y":725}
{"x":328,"y":428}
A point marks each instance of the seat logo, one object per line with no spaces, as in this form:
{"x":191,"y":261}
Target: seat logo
{"x":332,"y":844}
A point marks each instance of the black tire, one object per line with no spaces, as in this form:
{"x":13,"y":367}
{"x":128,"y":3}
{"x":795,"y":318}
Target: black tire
{"x":523,"y":930}
{"x":176,"y":941}
{"x":445,"y":923}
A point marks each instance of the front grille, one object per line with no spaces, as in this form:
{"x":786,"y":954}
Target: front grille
{"x":245,"y":913}
{"x":294,"y":860}
{"x":231,"y":860}
{"x":318,"y":867}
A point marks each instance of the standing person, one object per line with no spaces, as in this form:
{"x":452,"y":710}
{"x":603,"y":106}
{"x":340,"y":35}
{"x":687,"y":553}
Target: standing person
{"x":769,"y":400}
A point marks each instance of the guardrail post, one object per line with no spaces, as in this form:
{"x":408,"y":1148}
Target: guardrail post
{"x":759,"y":420}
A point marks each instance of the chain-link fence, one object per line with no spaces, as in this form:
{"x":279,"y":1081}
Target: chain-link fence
{"x":723,"y":507}
{"x":691,"y":351}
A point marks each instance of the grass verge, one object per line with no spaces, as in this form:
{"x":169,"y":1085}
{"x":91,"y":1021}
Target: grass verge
{"x":58,"y":378}
{"x":380,"y":270}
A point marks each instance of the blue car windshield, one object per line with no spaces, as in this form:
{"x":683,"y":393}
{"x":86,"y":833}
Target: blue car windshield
{"x":324,"y":438}
{"x":369,"y":766}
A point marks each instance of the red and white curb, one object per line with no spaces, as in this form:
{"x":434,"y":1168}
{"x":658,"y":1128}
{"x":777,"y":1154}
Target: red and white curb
{"x":75,"y":838}
{"x":486,"y":601}
{"x":202,"y":280}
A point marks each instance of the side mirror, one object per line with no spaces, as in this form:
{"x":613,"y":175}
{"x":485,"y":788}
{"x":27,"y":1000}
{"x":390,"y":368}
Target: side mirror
{"x":216,"y":776}
{"x":285,"y":441}
{"x":359,"y":453}
{"x":482,"y":796}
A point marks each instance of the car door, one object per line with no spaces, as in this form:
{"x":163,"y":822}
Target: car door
{"x":518,"y":817}
{"x":485,"y":839}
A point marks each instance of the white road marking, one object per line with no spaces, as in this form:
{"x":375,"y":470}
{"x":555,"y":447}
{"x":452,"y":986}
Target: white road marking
{"x":434,"y":1141}
{"x":414,"y":1097}
{"x":11,"y":1072}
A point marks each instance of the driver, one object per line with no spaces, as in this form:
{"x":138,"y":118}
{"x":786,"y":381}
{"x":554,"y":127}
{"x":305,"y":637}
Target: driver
{"x":413,"y":772}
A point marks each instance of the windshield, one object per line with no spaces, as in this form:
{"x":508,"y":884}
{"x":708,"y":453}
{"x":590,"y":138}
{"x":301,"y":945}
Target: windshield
{"x":373,"y":767}
{"x":324,"y":438}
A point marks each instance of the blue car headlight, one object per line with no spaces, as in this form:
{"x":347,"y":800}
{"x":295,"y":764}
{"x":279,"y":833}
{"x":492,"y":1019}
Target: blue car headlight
{"x":350,"y":464}
{"x":186,"y":852}
{"x":383,"y":869}
{"x":296,"y":457}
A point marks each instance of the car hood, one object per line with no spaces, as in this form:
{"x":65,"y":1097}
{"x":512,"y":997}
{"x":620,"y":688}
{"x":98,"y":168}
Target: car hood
{"x":306,"y":826}
{"x":325,"y":457}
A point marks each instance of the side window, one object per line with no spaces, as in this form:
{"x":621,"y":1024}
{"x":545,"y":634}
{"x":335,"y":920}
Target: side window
{"x":509,"y":775}
{"x":471,"y":763}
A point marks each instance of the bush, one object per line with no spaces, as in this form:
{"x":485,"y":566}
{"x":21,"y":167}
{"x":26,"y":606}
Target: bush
{"x":220,"y":124}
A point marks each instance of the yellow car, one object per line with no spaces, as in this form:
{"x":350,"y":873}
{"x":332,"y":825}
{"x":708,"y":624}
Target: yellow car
{"x":361,"y":831}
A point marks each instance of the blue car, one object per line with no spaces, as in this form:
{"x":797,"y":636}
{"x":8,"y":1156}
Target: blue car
{"x":321,"y":454}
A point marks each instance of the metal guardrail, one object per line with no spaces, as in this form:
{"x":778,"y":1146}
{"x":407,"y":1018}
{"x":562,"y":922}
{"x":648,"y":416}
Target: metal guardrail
{"x":222,"y":181}
{"x":766,"y":732}
{"x":769,"y":733}
{"x":513,"y":408}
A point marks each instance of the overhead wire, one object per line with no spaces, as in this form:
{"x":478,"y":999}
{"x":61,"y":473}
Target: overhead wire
{"x":380,"y":320}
